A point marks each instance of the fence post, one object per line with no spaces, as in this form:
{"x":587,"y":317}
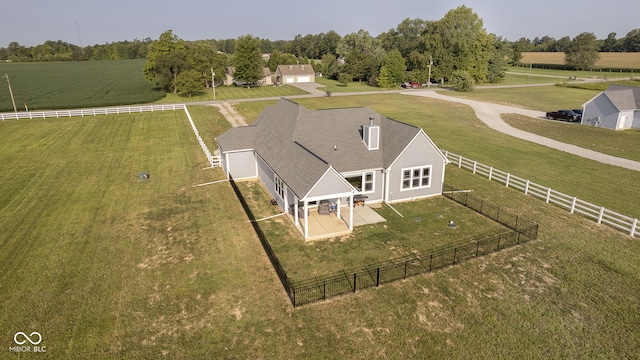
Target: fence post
{"x":490,"y":172}
{"x":477,"y":247}
{"x":498,"y":248}
{"x":573,"y":205}
{"x":475,"y":164}
{"x":548,"y":195}
{"x":405,"y":269}
{"x":294,"y":297}
{"x":354,"y":282}
{"x":633,"y":227}
{"x":507,"y":181}
{"x":324,"y":289}
{"x":455,"y":252}
{"x":378,"y":278}
{"x":460,"y":161}
{"x":600,"y":216}
{"x":430,"y":262}
{"x":526,"y":188}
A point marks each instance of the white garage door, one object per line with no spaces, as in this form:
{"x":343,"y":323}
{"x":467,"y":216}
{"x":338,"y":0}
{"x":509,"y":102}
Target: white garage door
{"x":304,"y":78}
{"x":288,"y":79}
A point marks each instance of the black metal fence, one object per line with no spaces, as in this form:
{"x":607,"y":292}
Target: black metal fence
{"x":321,"y":288}
{"x":282,"y":275}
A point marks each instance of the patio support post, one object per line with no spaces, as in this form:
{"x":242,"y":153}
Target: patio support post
{"x":351,"y":212}
{"x":338,"y":208}
{"x":306,"y":220}
{"x":295,"y":210}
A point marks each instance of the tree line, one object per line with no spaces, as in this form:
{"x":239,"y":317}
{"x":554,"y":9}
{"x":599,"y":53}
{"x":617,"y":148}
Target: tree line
{"x":456,"y":48}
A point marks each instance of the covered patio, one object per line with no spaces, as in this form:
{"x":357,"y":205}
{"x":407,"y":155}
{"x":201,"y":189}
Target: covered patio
{"x":328,"y":226}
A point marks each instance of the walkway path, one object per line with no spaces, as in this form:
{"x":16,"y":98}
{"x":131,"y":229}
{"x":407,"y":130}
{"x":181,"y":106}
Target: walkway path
{"x":490,"y":114}
{"x":230,"y":114}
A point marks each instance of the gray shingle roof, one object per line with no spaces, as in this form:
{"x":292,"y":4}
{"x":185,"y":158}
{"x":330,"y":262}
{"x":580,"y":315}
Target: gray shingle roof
{"x":300,"y":69}
{"x":624,"y":97}
{"x":298,"y":144}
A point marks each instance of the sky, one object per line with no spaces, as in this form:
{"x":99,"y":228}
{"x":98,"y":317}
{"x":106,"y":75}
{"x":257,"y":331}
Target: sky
{"x":90,"y":22}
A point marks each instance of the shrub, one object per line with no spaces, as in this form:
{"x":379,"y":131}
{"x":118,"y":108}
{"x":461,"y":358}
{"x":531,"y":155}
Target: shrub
{"x":462,"y":81}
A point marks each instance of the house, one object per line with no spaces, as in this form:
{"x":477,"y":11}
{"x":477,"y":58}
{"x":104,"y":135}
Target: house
{"x":616,"y":108}
{"x":292,"y":74}
{"x":267,"y":78}
{"x":306,"y":158}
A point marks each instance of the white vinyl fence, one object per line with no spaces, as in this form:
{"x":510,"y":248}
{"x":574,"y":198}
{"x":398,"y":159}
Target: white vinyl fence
{"x":213,"y":160}
{"x":570,"y":203}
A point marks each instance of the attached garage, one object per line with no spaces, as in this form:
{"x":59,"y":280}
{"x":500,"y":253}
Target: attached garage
{"x":304,"y":79}
{"x":289,"y":79}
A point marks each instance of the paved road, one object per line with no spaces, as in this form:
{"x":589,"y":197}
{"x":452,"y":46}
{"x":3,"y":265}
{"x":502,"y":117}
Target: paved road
{"x":490,"y":114}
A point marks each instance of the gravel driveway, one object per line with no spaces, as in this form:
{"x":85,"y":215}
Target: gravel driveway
{"x":490,"y":114}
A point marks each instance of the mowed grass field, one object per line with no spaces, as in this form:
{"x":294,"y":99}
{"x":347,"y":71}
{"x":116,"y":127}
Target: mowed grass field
{"x":607,"y":59}
{"x":106,"y":266}
{"x":67,"y":85}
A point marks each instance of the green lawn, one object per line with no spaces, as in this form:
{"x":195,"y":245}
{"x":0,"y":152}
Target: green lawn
{"x":67,"y":85}
{"x":106,"y":266}
{"x":544,"y":98}
{"x":424,"y":227}
{"x":335,"y":87}
{"x":600,"y":74}
{"x":624,"y":144}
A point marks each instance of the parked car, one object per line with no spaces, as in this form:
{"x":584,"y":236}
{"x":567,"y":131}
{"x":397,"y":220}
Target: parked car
{"x":566,"y":115}
{"x":411,"y":85}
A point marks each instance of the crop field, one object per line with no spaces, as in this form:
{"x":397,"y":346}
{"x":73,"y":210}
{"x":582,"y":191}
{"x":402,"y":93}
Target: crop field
{"x":607,"y":59}
{"x":68,"y":85}
{"x":103,"y":265}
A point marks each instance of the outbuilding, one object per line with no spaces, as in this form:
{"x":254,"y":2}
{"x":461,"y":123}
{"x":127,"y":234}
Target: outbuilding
{"x":616,"y":108}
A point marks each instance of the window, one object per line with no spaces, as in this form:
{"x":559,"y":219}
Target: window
{"x":416,"y":178}
{"x":362,"y":183}
{"x":368,"y":182}
{"x":279,"y":186}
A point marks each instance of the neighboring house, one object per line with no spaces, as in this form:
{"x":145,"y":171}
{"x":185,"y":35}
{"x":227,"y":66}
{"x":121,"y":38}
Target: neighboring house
{"x":293,"y":74}
{"x":267,"y":78}
{"x":306,"y":157}
{"x":616,"y":108}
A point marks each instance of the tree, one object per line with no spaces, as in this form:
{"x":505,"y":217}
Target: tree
{"x":345,"y":78}
{"x":359,"y":65}
{"x":459,"y":42}
{"x":498,"y":63}
{"x":279,"y":58}
{"x":462,"y":81}
{"x":609,"y":44}
{"x":247,"y":60}
{"x":200,"y":55}
{"x":189,"y":82}
{"x":632,"y":41}
{"x":166,"y":58}
{"x":392,"y":71}
{"x":582,"y":53}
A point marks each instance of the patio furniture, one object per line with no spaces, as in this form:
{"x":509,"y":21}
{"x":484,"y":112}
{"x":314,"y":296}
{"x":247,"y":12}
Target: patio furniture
{"x":323,"y":207}
{"x":359,"y":199}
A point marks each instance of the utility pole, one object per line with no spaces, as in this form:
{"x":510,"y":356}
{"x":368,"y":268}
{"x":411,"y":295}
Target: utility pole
{"x":213,"y":83}
{"x":6,"y":76}
{"x":429,"y":79}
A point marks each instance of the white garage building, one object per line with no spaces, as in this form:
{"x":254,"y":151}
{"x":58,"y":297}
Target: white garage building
{"x":293,"y":74}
